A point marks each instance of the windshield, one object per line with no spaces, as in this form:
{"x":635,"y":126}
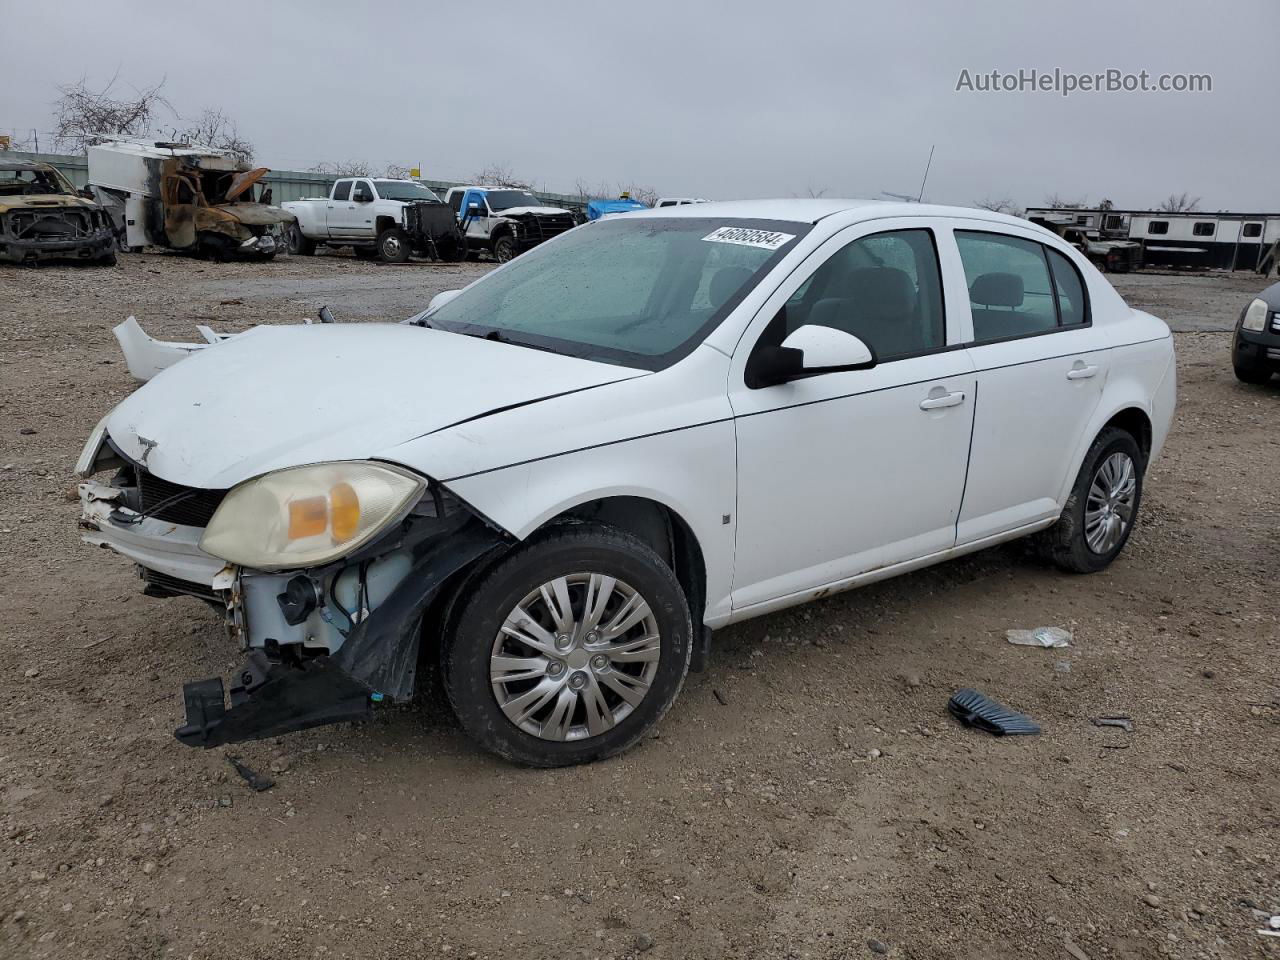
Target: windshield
{"x":33,"y":181}
{"x":639,"y":292}
{"x":504,"y":199}
{"x":403,"y":190}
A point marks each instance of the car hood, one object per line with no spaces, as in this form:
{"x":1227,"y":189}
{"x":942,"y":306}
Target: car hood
{"x":281,"y":396}
{"x":537,"y":211}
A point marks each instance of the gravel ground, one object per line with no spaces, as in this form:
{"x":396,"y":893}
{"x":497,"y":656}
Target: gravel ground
{"x":806,"y":798}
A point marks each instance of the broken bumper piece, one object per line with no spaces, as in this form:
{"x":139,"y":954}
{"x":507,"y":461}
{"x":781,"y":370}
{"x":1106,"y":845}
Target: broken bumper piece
{"x":270,"y":699}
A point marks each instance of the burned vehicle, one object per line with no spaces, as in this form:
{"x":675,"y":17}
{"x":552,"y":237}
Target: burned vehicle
{"x":189,"y":198}
{"x":42,"y":216}
{"x":557,"y":482}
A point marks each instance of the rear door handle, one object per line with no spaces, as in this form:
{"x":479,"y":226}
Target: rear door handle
{"x":1082,"y":372}
{"x":946,"y":400}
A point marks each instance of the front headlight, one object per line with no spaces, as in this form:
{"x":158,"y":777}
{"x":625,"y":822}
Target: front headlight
{"x":1255,"y":316}
{"x":308,"y":516}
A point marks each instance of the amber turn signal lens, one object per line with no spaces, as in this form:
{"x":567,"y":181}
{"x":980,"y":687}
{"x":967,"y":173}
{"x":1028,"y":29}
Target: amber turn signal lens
{"x":308,"y":517}
{"x":344,"y":509}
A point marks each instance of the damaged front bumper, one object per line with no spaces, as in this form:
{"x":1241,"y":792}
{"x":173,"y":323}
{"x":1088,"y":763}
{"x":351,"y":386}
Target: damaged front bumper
{"x":324,"y":644}
{"x":94,"y":247}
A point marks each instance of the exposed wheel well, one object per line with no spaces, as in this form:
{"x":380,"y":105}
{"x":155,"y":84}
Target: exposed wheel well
{"x":663,"y":530}
{"x":385,"y":223}
{"x":1136,"y":423}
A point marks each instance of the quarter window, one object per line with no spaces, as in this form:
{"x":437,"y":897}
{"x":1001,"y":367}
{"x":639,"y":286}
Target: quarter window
{"x":1157,"y":228}
{"x":885,"y":289}
{"x":1010,"y":292}
{"x":1073,"y":309}
{"x":342,"y":190}
{"x":1203,"y":228}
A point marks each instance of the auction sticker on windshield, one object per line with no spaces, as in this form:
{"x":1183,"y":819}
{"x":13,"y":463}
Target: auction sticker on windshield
{"x":747,"y":237}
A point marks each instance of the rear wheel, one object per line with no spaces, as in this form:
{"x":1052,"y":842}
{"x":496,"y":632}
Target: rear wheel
{"x":393,"y":245}
{"x":299,"y":245}
{"x":1102,"y":508}
{"x":570,"y":649}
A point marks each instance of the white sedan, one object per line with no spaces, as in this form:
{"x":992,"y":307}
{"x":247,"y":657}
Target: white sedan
{"x":553,"y":485}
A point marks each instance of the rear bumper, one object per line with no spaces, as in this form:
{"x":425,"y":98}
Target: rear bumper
{"x":84,"y":248}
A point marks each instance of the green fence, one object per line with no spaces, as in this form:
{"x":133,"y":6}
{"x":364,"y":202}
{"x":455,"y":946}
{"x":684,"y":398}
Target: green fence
{"x":284,"y":184}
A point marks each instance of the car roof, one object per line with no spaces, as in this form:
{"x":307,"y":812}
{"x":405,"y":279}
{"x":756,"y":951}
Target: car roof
{"x":476,"y":186}
{"x":811,"y":210}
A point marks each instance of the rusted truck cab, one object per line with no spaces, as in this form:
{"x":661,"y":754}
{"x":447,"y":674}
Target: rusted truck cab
{"x":43,"y":217}
{"x":188,"y":198}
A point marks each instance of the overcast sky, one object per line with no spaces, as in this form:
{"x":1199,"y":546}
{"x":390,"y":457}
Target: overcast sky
{"x":739,"y":99}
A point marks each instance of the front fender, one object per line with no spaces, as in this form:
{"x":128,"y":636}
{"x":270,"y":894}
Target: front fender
{"x":691,"y":472}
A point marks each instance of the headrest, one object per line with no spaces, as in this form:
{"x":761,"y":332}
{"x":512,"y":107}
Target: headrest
{"x":725,"y":282}
{"x":997,"y":290}
{"x":879,"y":292}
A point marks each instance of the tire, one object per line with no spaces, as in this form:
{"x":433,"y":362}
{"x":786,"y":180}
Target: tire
{"x":106,"y":260}
{"x":452,"y":248}
{"x":393,"y":245}
{"x":504,"y":248}
{"x":299,"y":245}
{"x":1073,"y":543}
{"x":568,"y":556}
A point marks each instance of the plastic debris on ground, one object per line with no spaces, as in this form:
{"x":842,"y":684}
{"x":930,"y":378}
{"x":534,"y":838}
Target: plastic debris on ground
{"x":975,"y":709}
{"x":1040,"y":637}
{"x":256,"y":781}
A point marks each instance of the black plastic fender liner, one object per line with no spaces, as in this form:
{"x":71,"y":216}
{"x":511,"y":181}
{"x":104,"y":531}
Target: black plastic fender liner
{"x":382,"y":651}
{"x":378,"y":661}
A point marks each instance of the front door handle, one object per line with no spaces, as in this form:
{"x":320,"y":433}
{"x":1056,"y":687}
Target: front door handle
{"x":1082,"y":372}
{"x":946,"y":400}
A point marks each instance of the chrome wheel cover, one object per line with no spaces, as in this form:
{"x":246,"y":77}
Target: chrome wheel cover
{"x":1108,"y":511}
{"x":575,"y":657}
{"x":391,"y":246}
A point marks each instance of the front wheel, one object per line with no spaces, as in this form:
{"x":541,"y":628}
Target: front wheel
{"x":570,"y":649}
{"x":1102,"y":508}
{"x":504,"y":248}
{"x":393,"y":245}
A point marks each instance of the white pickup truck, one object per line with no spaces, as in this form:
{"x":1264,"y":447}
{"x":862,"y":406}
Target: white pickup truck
{"x":388,"y":219}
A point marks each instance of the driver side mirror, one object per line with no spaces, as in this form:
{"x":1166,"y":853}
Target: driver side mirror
{"x":362,"y":196}
{"x":808,"y":351}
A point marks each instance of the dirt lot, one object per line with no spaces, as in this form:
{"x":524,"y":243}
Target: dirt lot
{"x":822,"y":800}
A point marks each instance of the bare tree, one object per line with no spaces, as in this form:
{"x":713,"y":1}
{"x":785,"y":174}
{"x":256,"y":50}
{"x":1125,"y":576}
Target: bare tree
{"x":1056,"y":202}
{"x":396,"y":171}
{"x":1000,"y":205}
{"x":638,"y":191}
{"x":500,"y":175}
{"x":213,"y":128}
{"x":83,"y":116}
{"x":345,"y":168}
{"x":1180,"y":203}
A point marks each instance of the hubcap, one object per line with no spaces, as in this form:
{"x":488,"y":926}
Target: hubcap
{"x":1109,"y":508}
{"x":575,"y":657}
{"x":391,"y":246}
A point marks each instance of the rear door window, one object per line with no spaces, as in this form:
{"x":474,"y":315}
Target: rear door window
{"x":1010,"y":291}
